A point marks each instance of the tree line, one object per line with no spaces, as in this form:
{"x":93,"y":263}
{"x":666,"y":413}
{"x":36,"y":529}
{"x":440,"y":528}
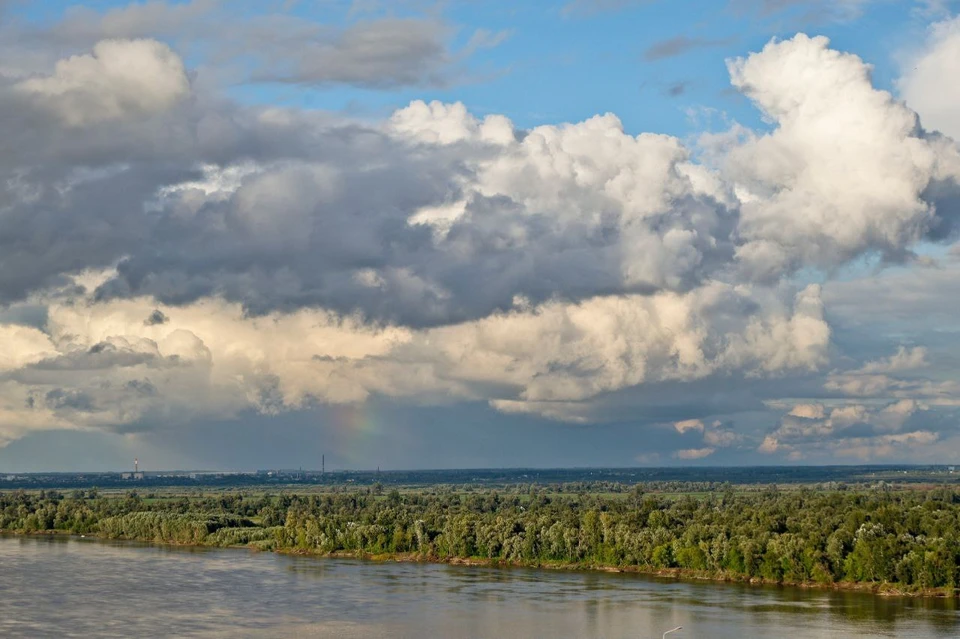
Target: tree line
{"x":908,"y":539}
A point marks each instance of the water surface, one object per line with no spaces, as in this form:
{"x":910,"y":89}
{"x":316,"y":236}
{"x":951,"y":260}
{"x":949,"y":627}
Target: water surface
{"x":69,"y":587}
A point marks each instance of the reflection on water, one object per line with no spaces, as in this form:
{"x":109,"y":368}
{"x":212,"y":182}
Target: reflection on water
{"x":61,"y":587}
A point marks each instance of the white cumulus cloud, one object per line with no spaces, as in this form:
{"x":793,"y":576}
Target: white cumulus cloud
{"x":119,"y":78}
{"x":926,"y":83}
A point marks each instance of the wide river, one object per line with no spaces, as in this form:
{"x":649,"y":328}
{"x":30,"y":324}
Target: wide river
{"x":69,"y":587}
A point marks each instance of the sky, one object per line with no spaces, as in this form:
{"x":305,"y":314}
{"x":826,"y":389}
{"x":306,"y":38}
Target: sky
{"x":418,"y":234}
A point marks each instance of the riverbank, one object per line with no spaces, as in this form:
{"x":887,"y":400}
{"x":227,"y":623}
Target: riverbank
{"x":679,"y":574}
{"x":879,"y":542}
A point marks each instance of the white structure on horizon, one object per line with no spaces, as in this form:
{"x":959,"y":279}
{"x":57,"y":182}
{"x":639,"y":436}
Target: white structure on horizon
{"x":136,"y":474}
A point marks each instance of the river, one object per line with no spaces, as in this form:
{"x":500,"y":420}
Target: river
{"x":71,"y":587}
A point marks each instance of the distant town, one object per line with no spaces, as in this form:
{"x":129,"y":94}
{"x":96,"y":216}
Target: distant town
{"x":833,"y":475}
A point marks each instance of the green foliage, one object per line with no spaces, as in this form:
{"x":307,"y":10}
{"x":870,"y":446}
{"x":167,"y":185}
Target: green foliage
{"x":911,"y":538}
{"x":192,"y":528}
{"x":262,"y":538}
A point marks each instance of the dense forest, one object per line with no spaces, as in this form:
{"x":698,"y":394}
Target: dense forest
{"x":897,"y":539}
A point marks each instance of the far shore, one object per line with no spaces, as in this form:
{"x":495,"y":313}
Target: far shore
{"x":683,"y":574}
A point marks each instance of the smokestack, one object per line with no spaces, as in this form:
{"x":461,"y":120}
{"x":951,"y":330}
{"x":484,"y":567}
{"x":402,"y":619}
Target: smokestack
{"x":136,"y":465}
{"x":323,"y":464}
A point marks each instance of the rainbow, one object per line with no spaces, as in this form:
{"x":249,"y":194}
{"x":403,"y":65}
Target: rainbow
{"x":355,"y":429}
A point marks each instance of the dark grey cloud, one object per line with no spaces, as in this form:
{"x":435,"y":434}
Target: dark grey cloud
{"x":34,"y":315}
{"x":100,"y":356}
{"x":495,"y":252}
{"x":155,"y":318}
{"x":59,"y":399}
{"x":680,"y":45}
{"x":75,"y":198}
{"x":381,"y":51}
{"x":380,"y":54}
{"x":69,"y":240}
{"x":142,"y":387}
{"x":83,"y":25}
{"x":944,"y":196}
{"x":909,"y":301}
{"x":322,"y":220}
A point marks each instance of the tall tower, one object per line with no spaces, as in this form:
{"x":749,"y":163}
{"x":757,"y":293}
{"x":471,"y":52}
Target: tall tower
{"x":323,"y":464}
{"x":136,"y":465}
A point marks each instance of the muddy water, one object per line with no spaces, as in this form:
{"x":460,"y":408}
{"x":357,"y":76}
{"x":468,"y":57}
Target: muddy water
{"x":69,"y":587}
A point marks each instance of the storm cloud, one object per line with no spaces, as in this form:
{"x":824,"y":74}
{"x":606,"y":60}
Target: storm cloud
{"x":197,"y":258}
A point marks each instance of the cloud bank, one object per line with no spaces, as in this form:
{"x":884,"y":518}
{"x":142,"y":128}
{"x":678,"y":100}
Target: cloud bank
{"x":168,"y":255}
